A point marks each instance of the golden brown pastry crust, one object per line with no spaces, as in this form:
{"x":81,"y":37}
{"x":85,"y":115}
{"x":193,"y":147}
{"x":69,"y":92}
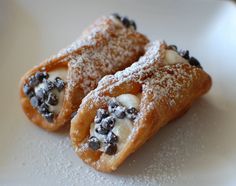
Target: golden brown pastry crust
{"x":167,"y":91}
{"x":104,"y":48}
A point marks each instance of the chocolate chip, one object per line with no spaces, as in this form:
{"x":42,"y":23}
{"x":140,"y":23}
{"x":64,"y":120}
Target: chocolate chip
{"x":33,"y":81}
{"x":59,"y":83}
{"x":40,"y":76}
{"x":111,"y":138}
{"x":125,"y":21}
{"x":117,"y":16}
{"x":110,"y":149}
{"x":131,"y":113}
{"x":173,"y":47}
{"x":27,"y":89}
{"x":42,"y":94}
{"x":93,"y":143}
{"x":120,"y":112}
{"x":34,"y":101}
{"x":133,"y":24}
{"x":46,"y":75}
{"x":101,"y":114}
{"x":112,"y":105}
{"x":184,"y":54}
{"x":52,"y":99}
{"x":132,"y":110}
{"x":194,"y":62}
{"x":49,"y":85}
{"x":43,"y":108}
{"x":131,"y":116}
{"x":100,"y":130}
{"x":31,"y":94}
{"x":49,"y":117}
{"x":108,"y":123}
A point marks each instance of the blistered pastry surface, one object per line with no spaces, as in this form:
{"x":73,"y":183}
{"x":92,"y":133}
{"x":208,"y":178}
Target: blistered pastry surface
{"x":155,"y":75}
{"x":167,"y":91}
{"x":105,"y":47}
{"x":109,"y":47}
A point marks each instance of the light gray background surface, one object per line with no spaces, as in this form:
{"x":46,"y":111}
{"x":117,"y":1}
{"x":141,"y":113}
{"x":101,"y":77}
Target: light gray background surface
{"x":197,"y":149}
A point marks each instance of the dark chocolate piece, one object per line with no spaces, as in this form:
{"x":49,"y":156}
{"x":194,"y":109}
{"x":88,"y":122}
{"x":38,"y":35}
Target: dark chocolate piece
{"x":93,"y":143}
{"x":42,"y":94}
{"x":101,"y":114}
{"x":133,"y":24}
{"x":108,"y":123}
{"x":111,"y":138}
{"x":194,"y":62}
{"x":173,"y":47}
{"x":49,"y":85}
{"x":100,"y":130}
{"x":112,"y":105}
{"x":33,"y":81}
{"x":131,"y":113}
{"x":40,"y":76}
{"x":125,"y":21}
{"x":52,"y":99}
{"x":110,"y":149}
{"x":184,"y":54}
{"x":59,"y":83}
{"x":49,"y":117}
{"x":43,"y":108}
{"x":117,"y":16}
{"x":46,"y":75}
{"x":120,"y":112}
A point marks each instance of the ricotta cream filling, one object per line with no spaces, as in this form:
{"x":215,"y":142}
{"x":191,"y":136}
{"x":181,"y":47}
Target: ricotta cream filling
{"x":122,"y":127}
{"x":61,"y":73}
{"x":172,"y":57}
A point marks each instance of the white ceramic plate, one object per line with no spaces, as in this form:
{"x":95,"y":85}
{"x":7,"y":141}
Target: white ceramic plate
{"x":197,"y":149}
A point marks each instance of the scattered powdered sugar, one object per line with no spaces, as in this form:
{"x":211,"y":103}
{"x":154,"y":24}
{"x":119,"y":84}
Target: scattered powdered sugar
{"x":161,"y":165}
{"x":165,"y":83}
{"x":155,"y":76}
{"x":104,"y":48}
{"x":161,"y":161}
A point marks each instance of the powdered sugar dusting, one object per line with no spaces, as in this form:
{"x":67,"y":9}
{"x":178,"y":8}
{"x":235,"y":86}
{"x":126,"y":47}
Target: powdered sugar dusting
{"x":163,"y":165}
{"x":155,"y":76}
{"x":104,"y":48}
{"x":108,"y":47}
{"x":162,"y":85}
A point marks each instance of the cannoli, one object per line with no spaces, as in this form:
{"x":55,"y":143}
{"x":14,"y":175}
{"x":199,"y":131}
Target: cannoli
{"x":53,"y":90}
{"x":129,"y":107}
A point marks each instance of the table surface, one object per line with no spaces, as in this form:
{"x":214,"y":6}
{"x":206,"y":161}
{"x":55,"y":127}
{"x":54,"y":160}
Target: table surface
{"x":197,"y":149}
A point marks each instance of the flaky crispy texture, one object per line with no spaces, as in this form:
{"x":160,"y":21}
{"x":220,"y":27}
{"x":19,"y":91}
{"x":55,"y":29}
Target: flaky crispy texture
{"x":104,"y":48}
{"x":167,"y":91}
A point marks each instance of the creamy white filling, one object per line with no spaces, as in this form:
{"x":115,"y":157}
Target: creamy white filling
{"x":100,"y":137}
{"x":62,"y":73}
{"x":123,"y":127}
{"x":172,"y":57}
{"x":129,"y":100}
